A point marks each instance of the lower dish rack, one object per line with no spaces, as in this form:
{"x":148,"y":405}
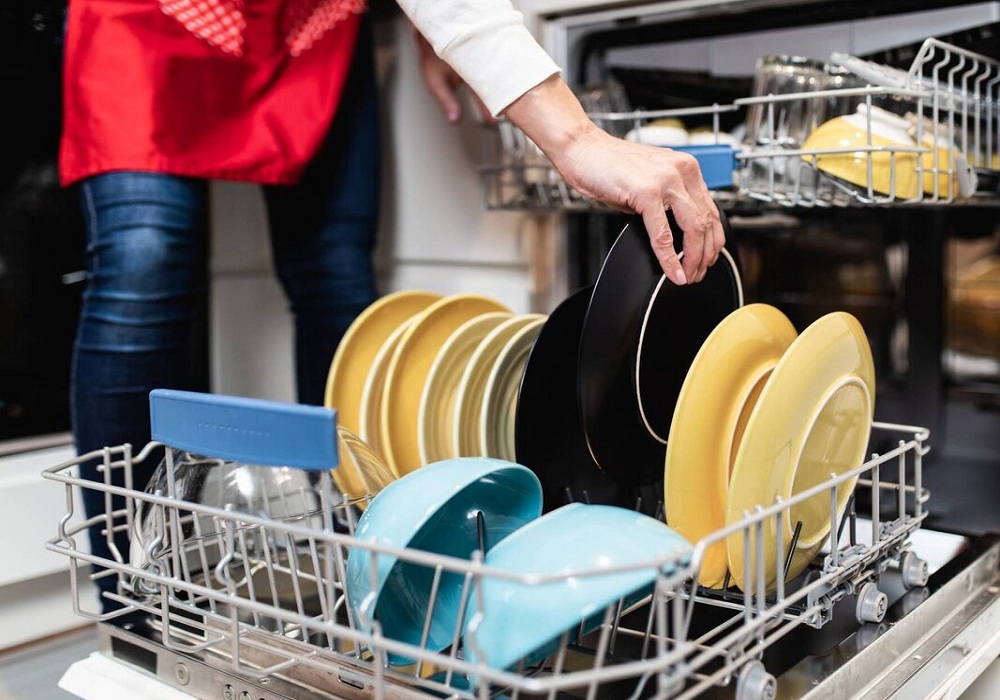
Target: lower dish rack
{"x":257,"y":607}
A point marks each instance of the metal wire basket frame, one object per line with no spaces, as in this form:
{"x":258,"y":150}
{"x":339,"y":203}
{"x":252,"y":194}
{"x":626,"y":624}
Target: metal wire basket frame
{"x":954,"y":95}
{"x":284,"y":612}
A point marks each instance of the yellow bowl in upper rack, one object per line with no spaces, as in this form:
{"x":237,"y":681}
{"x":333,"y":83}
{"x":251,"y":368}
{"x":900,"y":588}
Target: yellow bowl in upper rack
{"x":888,"y":132}
{"x":851,"y":131}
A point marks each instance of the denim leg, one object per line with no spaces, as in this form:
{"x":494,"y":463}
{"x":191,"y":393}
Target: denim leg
{"x":323,"y":229}
{"x":146,"y":263}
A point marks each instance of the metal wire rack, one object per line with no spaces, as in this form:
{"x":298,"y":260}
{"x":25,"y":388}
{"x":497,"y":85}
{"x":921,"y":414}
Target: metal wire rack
{"x":262,"y":596}
{"x":947,"y":105}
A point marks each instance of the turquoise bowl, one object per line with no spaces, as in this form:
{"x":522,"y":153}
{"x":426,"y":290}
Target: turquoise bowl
{"x":433,"y":509}
{"x":524,"y":622}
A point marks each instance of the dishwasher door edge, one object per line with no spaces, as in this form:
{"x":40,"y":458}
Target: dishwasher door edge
{"x":935,"y":650}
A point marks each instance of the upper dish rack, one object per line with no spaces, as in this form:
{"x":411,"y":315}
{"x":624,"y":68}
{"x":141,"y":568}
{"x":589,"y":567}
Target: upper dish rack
{"x":929,"y":135}
{"x":271,"y":610}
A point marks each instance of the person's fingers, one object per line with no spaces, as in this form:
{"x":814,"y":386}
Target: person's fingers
{"x":661,"y":238}
{"x":714,"y":238}
{"x":698,"y":216}
{"x":443,"y":91}
{"x":694,"y":245}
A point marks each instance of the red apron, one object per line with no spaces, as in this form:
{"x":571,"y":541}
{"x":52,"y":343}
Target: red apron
{"x":142,"y":92}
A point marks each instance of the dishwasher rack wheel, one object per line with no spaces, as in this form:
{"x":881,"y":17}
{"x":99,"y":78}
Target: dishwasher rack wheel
{"x":872,"y":603}
{"x":914,"y":570}
{"x":755,"y":683}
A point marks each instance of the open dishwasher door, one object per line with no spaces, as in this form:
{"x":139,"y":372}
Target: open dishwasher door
{"x":934,"y":641}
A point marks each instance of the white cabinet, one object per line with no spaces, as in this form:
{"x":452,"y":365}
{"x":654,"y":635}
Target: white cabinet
{"x":31,"y":508}
{"x":35,"y":598}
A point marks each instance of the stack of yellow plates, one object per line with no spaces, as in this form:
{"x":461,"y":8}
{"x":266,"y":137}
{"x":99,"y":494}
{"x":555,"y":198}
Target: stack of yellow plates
{"x":468,"y":409}
{"x":437,"y":404}
{"x":420,"y":378}
{"x":764,"y":415}
{"x":496,"y":419}
{"x":720,"y":391}
{"x":371,"y":395}
{"x":361,"y":345}
{"x":408,"y":371}
{"x":812,"y":419}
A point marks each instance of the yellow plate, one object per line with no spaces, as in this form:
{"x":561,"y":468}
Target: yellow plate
{"x":359,"y":346}
{"x":361,"y":472}
{"x":437,"y":404}
{"x":472,"y":386}
{"x":813,"y":419}
{"x":496,"y":420}
{"x":718,"y":395}
{"x":411,"y":361}
{"x":371,"y":395}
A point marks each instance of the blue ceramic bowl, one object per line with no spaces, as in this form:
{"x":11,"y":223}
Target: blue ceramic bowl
{"x":526,"y":622}
{"x":434,"y":509}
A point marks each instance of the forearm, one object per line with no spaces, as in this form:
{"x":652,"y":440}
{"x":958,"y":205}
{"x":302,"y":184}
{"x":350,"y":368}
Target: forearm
{"x":551,"y":116}
{"x":486,"y":42}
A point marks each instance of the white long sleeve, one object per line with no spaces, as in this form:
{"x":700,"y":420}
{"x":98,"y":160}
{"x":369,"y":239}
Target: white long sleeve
{"x":486,"y":42}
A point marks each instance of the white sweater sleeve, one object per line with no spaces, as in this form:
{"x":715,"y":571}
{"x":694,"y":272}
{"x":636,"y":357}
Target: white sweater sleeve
{"x":486,"y":42}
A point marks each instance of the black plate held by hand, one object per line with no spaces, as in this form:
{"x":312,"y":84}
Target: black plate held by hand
{"x":548,"y":434}
{"x":639,"y":338}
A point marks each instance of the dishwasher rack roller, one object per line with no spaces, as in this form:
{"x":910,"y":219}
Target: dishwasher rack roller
{"x":264,"y":599}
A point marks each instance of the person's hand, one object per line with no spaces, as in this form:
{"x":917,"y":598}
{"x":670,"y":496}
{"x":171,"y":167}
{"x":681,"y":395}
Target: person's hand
{"x":443,"y":83}
{"x":648,"y":180}
{"x":625,"y":175}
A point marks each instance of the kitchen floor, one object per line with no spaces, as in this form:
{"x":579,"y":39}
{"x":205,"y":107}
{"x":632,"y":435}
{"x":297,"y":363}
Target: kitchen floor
{"x":32,"y":672}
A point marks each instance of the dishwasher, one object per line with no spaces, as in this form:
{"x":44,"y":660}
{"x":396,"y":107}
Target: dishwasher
{"x":223,"y":602}
{"x":253,"y":602}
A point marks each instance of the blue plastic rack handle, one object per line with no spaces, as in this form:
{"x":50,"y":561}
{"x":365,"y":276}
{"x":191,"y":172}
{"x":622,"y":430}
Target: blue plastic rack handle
{"x":239,"y":429}
{"x":717,"y":162}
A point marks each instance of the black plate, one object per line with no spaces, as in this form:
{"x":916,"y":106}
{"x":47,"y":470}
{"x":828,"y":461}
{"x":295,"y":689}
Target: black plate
{"x":640,"y":334}
{"x":548,"y":433}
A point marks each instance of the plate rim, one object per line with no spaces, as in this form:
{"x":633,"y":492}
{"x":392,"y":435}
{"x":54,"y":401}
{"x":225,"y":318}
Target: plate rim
{"x":493,"y":343}
{"x":371,"y":403}
{"x":515,"y":344}
{"x":345,"y":353}
{"x":448,"y":350}
{"x":644,"y":265}
{"x":400,"y":367}
{"x":740,"y":302}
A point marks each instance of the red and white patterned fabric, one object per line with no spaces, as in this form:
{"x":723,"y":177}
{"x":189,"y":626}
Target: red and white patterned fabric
{"x":222,"y":23}
{"x":224,"y":100}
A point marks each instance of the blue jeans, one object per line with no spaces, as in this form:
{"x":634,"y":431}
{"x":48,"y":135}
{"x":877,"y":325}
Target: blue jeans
{"x":147,"y":256}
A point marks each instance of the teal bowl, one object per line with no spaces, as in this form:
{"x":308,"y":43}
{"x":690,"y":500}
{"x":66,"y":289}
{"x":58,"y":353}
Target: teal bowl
{"x":433,"y":509}
{"x":525,"y":622}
